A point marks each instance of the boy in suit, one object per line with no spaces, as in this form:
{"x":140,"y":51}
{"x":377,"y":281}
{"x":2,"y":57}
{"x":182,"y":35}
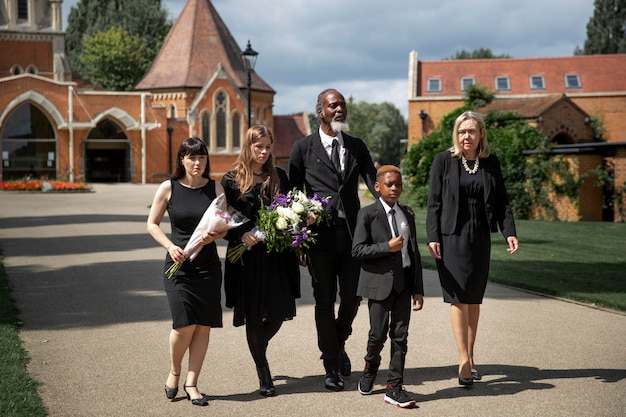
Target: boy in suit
{"x":391,"y":274}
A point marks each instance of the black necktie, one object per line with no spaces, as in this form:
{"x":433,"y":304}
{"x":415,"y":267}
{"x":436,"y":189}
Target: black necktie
{"x":394,"y":224}
{"x":398,"y":275}
{"x":334,"y":156}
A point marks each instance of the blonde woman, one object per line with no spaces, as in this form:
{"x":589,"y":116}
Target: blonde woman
{"x":467,"y":200}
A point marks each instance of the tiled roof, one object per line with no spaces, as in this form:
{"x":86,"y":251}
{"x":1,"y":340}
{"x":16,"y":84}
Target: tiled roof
{"x":530,"y":107}
{"x":597,"y":73}
{"x":287,"y":130}
{"x":198,"y":41}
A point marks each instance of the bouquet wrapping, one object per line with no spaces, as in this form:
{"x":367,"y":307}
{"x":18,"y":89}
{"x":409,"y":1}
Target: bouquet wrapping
{"x":218,"y":217}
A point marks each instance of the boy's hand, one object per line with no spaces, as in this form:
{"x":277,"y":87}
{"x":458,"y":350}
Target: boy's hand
{"x":396,"y":244}
{"x":418,"y":302}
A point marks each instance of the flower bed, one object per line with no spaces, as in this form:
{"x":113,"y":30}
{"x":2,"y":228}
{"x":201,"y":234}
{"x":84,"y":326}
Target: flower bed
{"x":45,"y":186}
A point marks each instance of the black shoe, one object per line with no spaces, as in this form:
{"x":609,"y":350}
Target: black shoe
{"x":267,"y":388}
{"x":171,"y":393}
{"x":366,"y":383}
{"x":345,"y":367}
{"x":476,"y":376}
{"x":195,"y":401}
{"x":333,"y":381}
{"x":397,"y":396}
{"x":466,"y":382}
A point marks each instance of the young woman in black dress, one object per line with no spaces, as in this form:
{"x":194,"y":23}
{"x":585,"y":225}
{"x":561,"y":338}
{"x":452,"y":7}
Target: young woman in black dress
{"x":193,"y":292}
{"x":262,"y":287}
{"x":467,"y":200}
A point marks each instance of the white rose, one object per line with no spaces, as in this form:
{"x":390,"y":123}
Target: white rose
{"x":281,"y":223}
{"x":297,"y":208}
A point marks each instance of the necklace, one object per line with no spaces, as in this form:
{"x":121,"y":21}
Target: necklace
{"x":470,"y":171}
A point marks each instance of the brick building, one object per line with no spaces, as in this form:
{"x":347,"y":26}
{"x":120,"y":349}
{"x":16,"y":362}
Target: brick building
{"x":558,"y":95}
{"x":60,"y":128}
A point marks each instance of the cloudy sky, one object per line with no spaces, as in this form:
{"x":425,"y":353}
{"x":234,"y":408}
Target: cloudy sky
{"x":361,"y":47}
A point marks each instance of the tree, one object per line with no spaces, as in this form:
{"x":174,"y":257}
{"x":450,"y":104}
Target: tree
{"x":480,"y":53}
{"x":382,"y":127}
{"x":606,"y":30}
{"x":143,"y":18}
{"x":114,"y":59}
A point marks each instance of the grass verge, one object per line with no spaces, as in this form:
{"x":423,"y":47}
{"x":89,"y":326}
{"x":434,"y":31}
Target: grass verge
{"x":581,"y":261}
{"x":18,"y":391}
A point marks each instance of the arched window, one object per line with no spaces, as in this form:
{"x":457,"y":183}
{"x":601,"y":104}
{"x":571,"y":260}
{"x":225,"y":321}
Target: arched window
{"x":171,"y":112}
{"x":220,"y":120}
{"x":31,"y":69}
{"x":16,"y":69}
{"x":28,"y":144}
{"x":236,"y":130}
{"x":206,"y":128}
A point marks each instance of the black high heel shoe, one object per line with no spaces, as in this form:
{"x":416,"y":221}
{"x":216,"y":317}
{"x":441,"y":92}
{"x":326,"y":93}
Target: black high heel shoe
{"x":476,"y":376}
{"x":466,"y":382}
{"x":195,"y":401}
{"x":171,"y":393}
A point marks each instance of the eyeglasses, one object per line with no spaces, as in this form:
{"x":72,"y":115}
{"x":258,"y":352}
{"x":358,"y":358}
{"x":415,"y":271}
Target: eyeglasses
{"x":471,"y":132}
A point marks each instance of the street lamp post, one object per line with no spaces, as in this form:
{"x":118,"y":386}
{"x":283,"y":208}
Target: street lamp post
{"x":249,"y":59}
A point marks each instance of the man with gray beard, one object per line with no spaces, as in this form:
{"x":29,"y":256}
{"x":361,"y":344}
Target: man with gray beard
{"x":329,"y":163}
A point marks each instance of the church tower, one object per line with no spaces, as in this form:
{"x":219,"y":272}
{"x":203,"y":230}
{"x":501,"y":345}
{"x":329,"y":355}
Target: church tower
{"x":32,"y":39}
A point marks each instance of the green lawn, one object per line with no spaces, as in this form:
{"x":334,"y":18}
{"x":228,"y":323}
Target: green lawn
{"x":18,"y":391}
{"x":582,"y":261}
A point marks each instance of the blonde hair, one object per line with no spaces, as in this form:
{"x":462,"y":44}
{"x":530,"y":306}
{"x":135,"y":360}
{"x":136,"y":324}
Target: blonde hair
{"x":387,"y":168}
{"x":483,"y":146}
{"x":244,"y":176}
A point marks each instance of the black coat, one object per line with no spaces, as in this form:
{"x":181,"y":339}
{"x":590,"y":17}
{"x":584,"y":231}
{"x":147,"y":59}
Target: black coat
{"x":443,"y":197}
{"x":311,"y":170}
{"x":378,"y":265}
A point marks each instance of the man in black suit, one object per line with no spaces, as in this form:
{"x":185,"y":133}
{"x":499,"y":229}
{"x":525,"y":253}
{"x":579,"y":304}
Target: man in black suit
{"x":391,"y":273}
{"x":329,"y":162}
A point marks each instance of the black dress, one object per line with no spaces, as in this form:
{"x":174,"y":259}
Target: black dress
{"x":261,"y":285}
{"x":464,"y":267}
{"x":194,"y":293}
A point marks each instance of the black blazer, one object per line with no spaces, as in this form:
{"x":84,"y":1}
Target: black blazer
{"x":311,"y":170}
{"x":378,"y":265}
{"x":443,"y":197}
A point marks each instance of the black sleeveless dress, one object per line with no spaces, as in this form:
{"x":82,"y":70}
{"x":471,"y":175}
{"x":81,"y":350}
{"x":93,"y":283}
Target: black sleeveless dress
{"x":265,"y":286}
{"x":464,"y":269}
{"x":194,"y":293}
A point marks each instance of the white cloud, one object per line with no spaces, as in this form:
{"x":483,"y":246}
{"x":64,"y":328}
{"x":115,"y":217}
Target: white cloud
{"x":362,"y":47}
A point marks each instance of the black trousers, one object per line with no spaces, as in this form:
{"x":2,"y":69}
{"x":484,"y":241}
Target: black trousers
{"x":392,"y":316}
{"x":332,"y":268}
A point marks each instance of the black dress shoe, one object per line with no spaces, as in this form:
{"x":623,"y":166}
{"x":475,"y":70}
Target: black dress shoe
{"x":476,"y":376}
{"x":267,"y":388}
{"x":466,"y":382}
{"x":345,"y":367}
{"x":333,"y":381}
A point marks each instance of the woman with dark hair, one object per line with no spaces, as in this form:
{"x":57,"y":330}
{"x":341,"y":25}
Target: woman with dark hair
{"x":467,"y":200}
{"x":194,"y":292}
{"x":261,"y":286}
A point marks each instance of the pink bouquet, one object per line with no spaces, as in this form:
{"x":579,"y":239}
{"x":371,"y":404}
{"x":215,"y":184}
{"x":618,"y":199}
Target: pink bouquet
{"x":218,"y":217}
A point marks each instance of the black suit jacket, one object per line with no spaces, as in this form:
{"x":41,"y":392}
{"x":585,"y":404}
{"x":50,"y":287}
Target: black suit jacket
{"x":443,"y":197}
{"x":378,"y":264}
{"x":311,"y":170}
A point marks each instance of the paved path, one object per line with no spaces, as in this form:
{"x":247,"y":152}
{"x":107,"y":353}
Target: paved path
{"x":86,"y":280}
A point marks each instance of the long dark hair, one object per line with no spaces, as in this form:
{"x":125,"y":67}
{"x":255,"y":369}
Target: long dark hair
{"x":191,"y":147}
